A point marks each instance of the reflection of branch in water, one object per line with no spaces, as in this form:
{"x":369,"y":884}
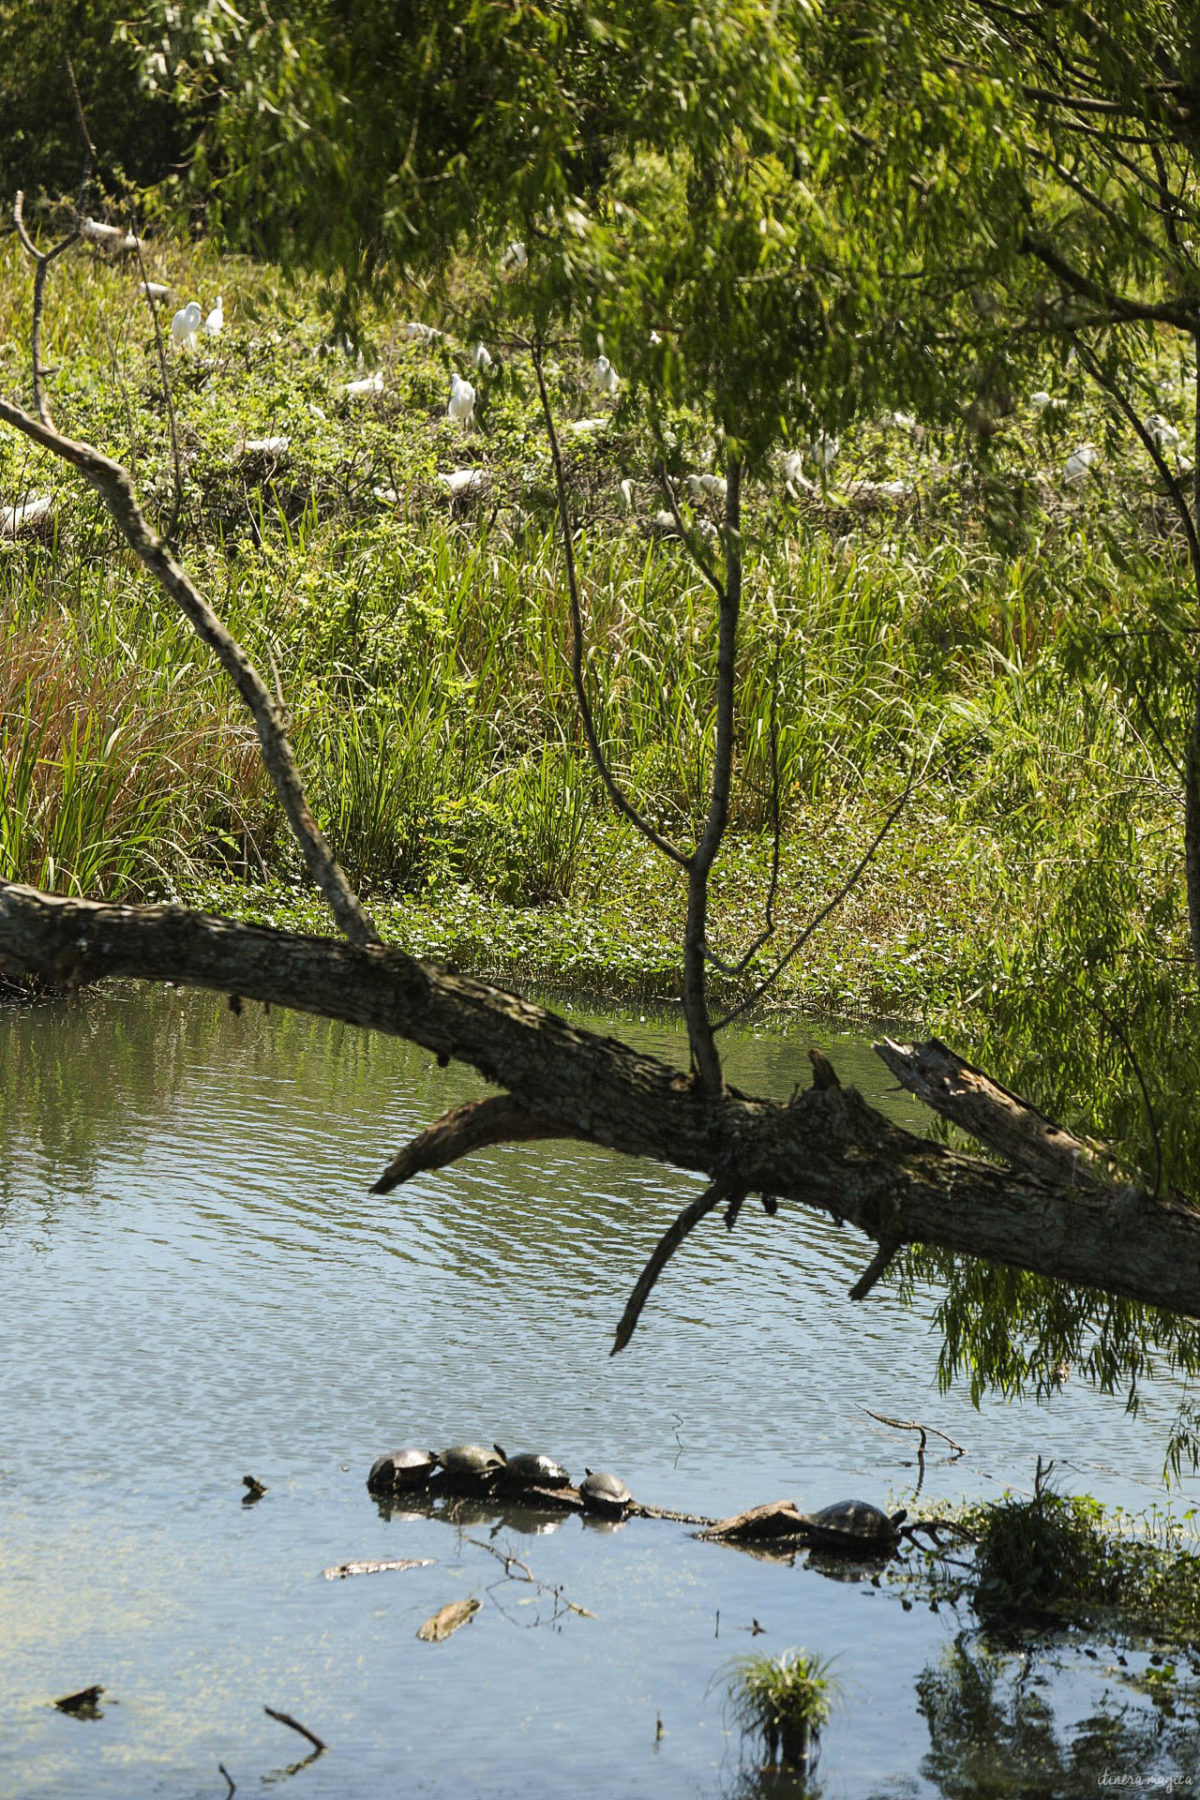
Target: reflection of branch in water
{"x":516,"y":1570}
{"x":277,"y":1775}
{"x":230,"y":1780}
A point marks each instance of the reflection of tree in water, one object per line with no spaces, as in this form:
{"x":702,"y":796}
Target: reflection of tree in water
{"x":773,"y":1784}
{"x":992,"y":1729}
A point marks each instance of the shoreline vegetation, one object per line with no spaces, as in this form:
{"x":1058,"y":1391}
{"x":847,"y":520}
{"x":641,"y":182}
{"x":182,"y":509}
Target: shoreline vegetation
{"x":906,"y":616}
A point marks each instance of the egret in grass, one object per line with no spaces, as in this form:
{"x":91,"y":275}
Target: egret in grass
{"x":462,"y":401}
{"x":215,"y":322}
{"x":1080,"y":461}
{"x":515,"y":259}
{"x":605,"y":376}
{"x":1163,"y":432}
{"x":186,"y":324}
{"x":369,"y":384}
{"x":481,"y":357}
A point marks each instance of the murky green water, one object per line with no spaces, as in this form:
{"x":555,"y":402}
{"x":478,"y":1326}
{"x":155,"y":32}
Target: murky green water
{"x":197,"y":1285}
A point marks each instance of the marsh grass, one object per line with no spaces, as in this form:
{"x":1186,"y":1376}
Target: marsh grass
{"x":785,"y":1701}
{"x":421,"y":646}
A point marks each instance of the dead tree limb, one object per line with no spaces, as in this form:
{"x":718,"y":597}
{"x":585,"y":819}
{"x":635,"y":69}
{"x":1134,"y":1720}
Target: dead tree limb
{"x":1001,"y":1120}
{"x":825,"y":1148}
{"x":475,"y":1126}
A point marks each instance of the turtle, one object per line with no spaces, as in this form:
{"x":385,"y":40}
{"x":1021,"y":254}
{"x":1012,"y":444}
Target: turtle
{"x":603,"y":1493}
{"x":469,"y":1466}
{"x":406,"y":1468}
{"x":532,"y":1469}
{"x":855,"y":1527}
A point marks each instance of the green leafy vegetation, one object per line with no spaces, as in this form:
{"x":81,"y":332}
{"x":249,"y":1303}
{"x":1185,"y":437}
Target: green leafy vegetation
{"x":784,"y":1700}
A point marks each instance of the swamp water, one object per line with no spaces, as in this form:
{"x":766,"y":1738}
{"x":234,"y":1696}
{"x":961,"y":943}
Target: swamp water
{"x":197,"y":1285}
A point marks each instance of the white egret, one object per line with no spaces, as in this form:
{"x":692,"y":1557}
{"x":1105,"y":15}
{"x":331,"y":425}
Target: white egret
{"x":605,"y":376}
{"x":465,"y":481}
{"x":515,"y":259}
{"x":26,"y":515}
{"x":1163,"y":432}
{"x":215,"y":322}
{"x":1080,"y":461}
{"x":824,"y":449}
{"x":627,"y":494}
{"x":186,"y":324}
{"x":481,"y":357}
{"x":462,"y":401}
{"x":424,"y":334}
{"x":369,"y":384}
{"x":579,"y":427}
{"x":250,"y":448}
{"x":155,"y":290}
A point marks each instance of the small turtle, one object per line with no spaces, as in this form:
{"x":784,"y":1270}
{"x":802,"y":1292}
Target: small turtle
{"x":855,"y":1527}
{"x":469,"y":1466}
{"x":401,"y":1469}
{"x":606,"y":1494}
{"x":532,"y":1469}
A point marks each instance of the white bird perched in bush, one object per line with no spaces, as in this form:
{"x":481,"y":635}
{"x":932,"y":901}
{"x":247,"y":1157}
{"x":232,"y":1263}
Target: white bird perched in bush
{"x":515,"y":259}
{"x":369,"y":384}
{"x":155,"y":290}
{"x":422,"y":334}
{"x":627,"y":494}
{"x":715,"y":485}
{"x":605,"y":376}
{"x":1080,"y":461}
{"x":481,"y":357}
{"x":462,"y":401}
{"x":824,"y":449}
{"x":1163,"y":432}
{"x":215,"y":322}
{"x":460,"y":482}
{"x":186,"y":324}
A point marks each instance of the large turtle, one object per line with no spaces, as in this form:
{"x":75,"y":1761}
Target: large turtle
{"x":531,"y":1469}
{"x":607,"y":1494}
{"x":854,"y":1527}
{"x":470,"y":1467}
{"x":401,"y":1469}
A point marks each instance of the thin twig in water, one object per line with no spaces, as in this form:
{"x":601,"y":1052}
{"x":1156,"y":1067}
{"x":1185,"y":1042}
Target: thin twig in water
{"x":228,"y":1777}
{"x":526,"y":1574}
{"x":664,"y":1250}
{"x":914,"y":1425}
{"x":295,"y":1725}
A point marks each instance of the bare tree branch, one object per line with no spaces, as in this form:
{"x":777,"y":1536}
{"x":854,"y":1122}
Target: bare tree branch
{"x":664,"y":1250}
{"x":798,"y":942}
{"x":115,"y":488}
{"x":475,"y":1126}
{"x":619,"y":799}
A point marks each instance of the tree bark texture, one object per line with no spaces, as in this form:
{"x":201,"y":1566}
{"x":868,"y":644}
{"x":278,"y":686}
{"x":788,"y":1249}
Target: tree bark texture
{"x":826,"y":1148}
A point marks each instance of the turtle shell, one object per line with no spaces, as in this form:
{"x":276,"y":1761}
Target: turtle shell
{"x":470,"y":1465}
{"x":406,"y":1468}
{"x":531,"y":1469}
{"x":604,"y":1493}
{"x":854,"y":1525}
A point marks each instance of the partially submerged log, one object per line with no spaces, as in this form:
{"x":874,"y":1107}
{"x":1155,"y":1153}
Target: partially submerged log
{"x":775,"y":1520}
{"x":825,"y":1148}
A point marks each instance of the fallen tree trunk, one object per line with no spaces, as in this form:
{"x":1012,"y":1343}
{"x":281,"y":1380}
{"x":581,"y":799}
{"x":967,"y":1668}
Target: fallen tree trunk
{"x":826,"y":1148}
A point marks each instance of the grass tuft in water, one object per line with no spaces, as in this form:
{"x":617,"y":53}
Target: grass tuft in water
{"x":786,"y":1700}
